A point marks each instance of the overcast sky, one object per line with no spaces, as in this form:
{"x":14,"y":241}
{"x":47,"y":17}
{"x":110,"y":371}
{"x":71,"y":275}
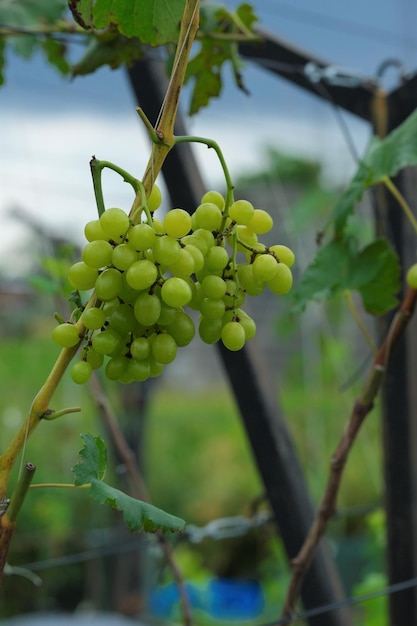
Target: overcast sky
{"x":52,"y":127}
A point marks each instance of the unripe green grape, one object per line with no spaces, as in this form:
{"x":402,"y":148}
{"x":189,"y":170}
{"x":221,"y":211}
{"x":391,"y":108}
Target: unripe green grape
{"x":116,"y":367}
{"x":167,"y":314}
{"x":241,"y":211}
{"x":233,"y":336}
{"x":210,"y":330}
{"x":97,"y":253}
{"x":284,"y":255}
{"x":66,"y":335}
{"x":248,"y":324}
{"x":93,"y":231}
{"x":411,"y":276}
{"x":123,"y":256}
{"x":213,"y":197}
{"x":282,"y":281}
{"x":197,"y":255}
{"x":141,"y":237}
{"x":147,"y":309}
{"x":207,"y":236}
{"x":184,"y":265}
{"x":212,"y":308}
{"x":81,"y":372}
{"x":106,"y":341}
{"x":158,"y":226}
{"x":197,"y":296}
{"x":248,"y":281}
{"x":140,"y":348}
{"x":217,"y":258}
{"x":261,"y":222}
{"x":177,"y":223}
{"x":166,"y":250}
{"x":141,"y":275}
{"x":235,"y":296}
{"x":208,"y":216}
{"x":114,"y":223}
{"x":176,"y":292}
{"x":213,"y":286}
{"x":155,"y":199}
{"x":264,"y":267}
{"x":110,"y":306}
{"x":156,"y":368}
{"x":93,"y":318}
{"x":122,"y":320}
{"x":139,"y":370}
{"x":81,"y":276}
{"x":182,"y":329}
{"x":247,"y":236}
{"x":94,"y":358}
{"x":109,"y":284}
{"x":164,"y":348}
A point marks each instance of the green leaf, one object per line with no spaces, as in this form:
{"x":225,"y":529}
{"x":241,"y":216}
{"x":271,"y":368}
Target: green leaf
{"x":383,"y":158}
{"x":112,"y":52}
{"x":375,"y":273}
{"x":82,"y":12}
{"x":154,"y":22}
{"x":55,"y":53}
{"x":138,"y":515}
{"x":93,"y":460}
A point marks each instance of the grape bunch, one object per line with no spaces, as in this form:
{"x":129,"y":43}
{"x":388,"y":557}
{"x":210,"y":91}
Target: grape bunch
{"x":145,"y":272}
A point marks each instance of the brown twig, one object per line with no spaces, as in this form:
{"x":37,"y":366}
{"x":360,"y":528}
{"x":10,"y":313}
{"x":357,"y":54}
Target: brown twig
{"x":363,"y":405}
{"x":137,"y":486}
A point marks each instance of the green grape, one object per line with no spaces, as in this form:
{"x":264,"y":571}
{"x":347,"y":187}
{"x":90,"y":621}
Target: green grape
{"x":141,"y":237}
{"x":213,"y":197}
{"x":261,"y":222}
{"x":196,"y":297}
{"x":66,"y":335}
{"x":248,"y":324}
{"x":106,"y":341}
{"x":217,"y":258}
{"x":139,"y":370}
{"x":197,"y":255}
{"x":147,"y":309}
{"x":122,"y":320}
{"x":114,"y":223}
{"x":164,"y":348}
{"x":181,"y":328}
{"x":184,"y":265}
{"x":283,"y":254}
{"x":158,"y":226}
{"x":97,"y":253}
{"x":210,"y":330}
{"x":264,"y":267}
{"x":208,"y":216}
{"x":109,"y":284}
{"x":250,"y":284}
{"x":207,"y":236}
{"x":167,"y":314}
{"x":282,"y":281}
{"x":155,"y":199}
{"x":212,"y":308}
{"x":411,"y":276}
{"x":176,"y":292}
{"x":81,"y":372}
{"x":233,"y":336}
{"x":246,"y":236}
{"x":166,"y":250}
{"x":123,"y":256}
{"x":177,"y":223}
{"x":81,"y":276}
{"x":241,"y":211}
{"x":140,"y":348}
{"x":109,"y":306}
{"x":213,"y":286}
{"x":94,"y":358}
{"x":235,"y":296}
{"x":93,"y":231}
{"x":93,"y":318}
{"x":141,"y":275}
{"x":156,"y":368}
{"x":116,"y":367}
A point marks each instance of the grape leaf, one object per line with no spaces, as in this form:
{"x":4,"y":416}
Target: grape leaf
{"x":338,"y":266}
{"x":383,"y":158}
{"x":93,"y":460}
{"x":154,"y":22}
{"x":55,"y":53}
{"x":138,"y":515}
{"x":112,"y":51}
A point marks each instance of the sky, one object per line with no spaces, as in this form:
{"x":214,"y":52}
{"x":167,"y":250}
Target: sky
{"x":51,"y":127}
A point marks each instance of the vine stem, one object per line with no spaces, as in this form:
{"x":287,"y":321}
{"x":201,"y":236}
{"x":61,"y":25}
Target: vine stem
{"x":362,"y":406}
{"x":401,"y":201}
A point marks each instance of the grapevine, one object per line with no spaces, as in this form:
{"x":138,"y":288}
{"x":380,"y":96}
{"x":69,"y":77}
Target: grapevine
{"x":150,"y":274}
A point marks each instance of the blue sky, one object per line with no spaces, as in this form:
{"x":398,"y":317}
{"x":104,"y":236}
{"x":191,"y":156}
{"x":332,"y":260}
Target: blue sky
{"x":51,"y":127}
